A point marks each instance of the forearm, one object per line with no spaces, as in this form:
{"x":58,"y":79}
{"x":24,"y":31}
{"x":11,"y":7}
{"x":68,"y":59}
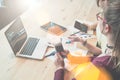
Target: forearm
{"x":93,"y":26}
{"x":90,"y":47}
{"x":93,"y":49}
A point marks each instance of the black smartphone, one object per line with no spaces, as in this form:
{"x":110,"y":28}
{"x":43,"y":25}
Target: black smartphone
{"x":59,"y":47}
{"x":81,"y":26}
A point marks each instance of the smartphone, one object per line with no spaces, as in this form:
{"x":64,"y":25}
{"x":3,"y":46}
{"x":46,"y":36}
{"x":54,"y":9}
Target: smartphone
{"x":59,"y":47}
{"x":81,"y":26}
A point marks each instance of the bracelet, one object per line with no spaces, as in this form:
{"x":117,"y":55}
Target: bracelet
{"x":85,"y":42}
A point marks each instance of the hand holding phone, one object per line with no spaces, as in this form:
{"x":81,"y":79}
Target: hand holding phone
{"x":59,"y":49}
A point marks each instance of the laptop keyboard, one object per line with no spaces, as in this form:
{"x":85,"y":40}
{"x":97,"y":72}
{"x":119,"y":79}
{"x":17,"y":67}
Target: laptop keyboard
{"x":29,"y":46}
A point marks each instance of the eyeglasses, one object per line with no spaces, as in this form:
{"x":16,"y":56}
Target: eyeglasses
{"x":99,"y":17}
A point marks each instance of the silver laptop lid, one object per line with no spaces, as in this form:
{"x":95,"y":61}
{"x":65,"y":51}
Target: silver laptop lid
{"x":16,"y":35}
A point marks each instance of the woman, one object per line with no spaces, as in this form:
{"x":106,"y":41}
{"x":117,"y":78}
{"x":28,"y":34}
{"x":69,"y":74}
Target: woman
{"x":101,"y":39}
{"x":110,"y":27}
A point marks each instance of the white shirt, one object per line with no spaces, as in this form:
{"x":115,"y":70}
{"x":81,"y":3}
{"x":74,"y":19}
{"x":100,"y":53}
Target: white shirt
{"x":102,"y":41}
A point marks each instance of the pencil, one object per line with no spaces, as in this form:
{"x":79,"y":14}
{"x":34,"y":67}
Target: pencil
{"x":74,"y":33}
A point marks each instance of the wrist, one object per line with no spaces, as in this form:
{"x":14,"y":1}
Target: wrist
{"x":60,"y":67}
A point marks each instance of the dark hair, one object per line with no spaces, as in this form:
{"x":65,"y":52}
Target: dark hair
{"x":112,"y":16}
{"x":98,"y":3}
{"x":102,"y":2}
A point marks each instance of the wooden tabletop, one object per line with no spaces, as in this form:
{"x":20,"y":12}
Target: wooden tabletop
{"x":63,"y":12}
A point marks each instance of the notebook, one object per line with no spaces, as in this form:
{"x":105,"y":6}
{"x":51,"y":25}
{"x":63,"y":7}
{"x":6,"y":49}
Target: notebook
{"x":23,"y":45}
{"x":53,"y":28}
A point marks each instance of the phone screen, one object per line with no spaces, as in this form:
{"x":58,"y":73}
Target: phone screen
{"x":81,"y":26}
{"x":59,"y":47}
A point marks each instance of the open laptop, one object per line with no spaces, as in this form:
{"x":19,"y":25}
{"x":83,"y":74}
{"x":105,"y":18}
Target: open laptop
{"x":25,"y":46}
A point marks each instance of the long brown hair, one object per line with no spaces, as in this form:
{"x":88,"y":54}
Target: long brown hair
{"x":98,"y":2}
{"x":112,"y":16}
{"x":103,"y":3}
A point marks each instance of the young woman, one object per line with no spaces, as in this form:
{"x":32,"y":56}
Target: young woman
{"x":110,"y":59}
{"x":101,"y":39}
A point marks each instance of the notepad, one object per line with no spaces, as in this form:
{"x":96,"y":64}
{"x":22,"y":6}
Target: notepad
{"x":53,"y":28}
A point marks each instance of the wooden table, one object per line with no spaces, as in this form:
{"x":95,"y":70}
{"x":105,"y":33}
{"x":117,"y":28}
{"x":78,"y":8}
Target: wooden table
{"x":63,"y":12}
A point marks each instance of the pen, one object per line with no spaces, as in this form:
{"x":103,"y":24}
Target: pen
{"x":51,"y":54}
{"x":74,"y":33}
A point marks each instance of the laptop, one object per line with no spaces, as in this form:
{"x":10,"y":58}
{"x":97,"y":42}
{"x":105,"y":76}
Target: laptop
{"x":25,"y":46}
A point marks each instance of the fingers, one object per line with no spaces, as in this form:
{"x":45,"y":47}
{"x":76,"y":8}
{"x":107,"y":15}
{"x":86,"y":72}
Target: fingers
{"x":59,"y":62}
{"x":59,"y":56}
{"x":74,"y":38}
{"x":65,"y":52}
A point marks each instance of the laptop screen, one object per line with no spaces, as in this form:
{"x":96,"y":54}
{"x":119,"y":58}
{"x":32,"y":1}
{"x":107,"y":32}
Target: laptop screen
{"x":16,"y":35}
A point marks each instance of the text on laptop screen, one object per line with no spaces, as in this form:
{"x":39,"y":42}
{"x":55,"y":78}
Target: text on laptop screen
{"x":16,"y":35}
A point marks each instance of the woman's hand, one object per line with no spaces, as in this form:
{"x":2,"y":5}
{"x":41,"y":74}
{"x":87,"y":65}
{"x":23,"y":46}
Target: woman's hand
{"x":59,"y":62}
{"x":76,"y":39}
{"x":64,"y":54}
